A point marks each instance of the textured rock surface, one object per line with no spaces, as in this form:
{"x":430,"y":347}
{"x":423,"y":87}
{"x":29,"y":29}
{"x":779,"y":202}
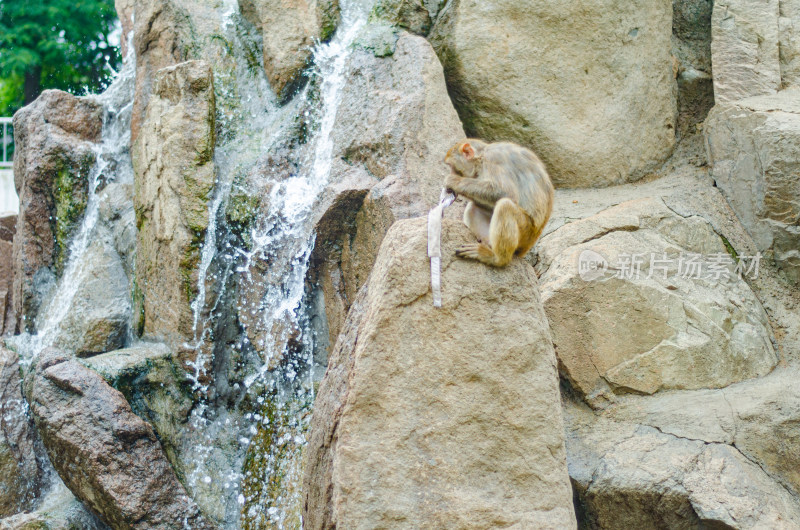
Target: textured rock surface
{"x":20,"y":473}
{"x":691,"y":46}
{"x":54,"y":140}
{"x":462,"y":401}
{"x":174,"y":176}
{"x":6,"y":284}
{"x":789,"y":35}
{"x":630,"y":476}
{"x":744,"y":49}
{"x":416,"y":16}
{"x":753,"y":148}
{"x":389,"y":166}
{"x":289,"y":30}
{"x":526,"y":72}
{"x":108,"y":457}
{"x":58,"y":509}
{"x":98,"y":315}
{"x":625,"y":331}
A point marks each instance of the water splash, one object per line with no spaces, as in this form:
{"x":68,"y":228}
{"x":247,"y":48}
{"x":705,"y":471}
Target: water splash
{"x":112,"y":163}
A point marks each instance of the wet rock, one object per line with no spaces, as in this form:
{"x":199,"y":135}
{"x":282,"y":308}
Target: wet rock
{"x":107,"y":456}
{"x":744,"y":49}
{"x":629,"y":476}
{"x":394,"y":125}
{"x":116,"y":210}
{"x":752,"y":147}
{"x":58,"y":509}
{"x":98,"y":313}
{"x":125,"y":10}
{"x":6,"y":285}
{"x":661,"y":324}
{"x":569,"y":98}
{"x":174,"y":177}
{"x":20,"y":471}
{"x":54,"y":139}
{"x":289,"y":31}
{"x":446,"y":394}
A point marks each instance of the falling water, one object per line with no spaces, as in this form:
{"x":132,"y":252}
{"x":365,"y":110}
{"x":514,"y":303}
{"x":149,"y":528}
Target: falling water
{"x":267,"y":266}
{"x":112,"y":163}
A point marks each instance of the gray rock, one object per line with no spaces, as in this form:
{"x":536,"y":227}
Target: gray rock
{"x":98,"y":314}
{"x":789,"y":42}
{"x":526,"y":72}
{"x":20,"y":471}
{"x":54,"y":139}
{"x":753,"y":148}
{"x":461,"y":400}
{"x":107,"y":456}
{"x":744,"y":49}
{"x":691,"y":46}
{"x":659,"y":328}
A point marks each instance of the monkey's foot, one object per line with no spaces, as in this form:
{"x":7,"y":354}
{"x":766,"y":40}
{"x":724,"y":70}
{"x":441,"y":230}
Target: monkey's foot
{"x":478,"y":251}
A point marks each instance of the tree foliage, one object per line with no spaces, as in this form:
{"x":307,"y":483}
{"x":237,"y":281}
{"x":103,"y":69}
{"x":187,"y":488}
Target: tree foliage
{"x":54,"y":44}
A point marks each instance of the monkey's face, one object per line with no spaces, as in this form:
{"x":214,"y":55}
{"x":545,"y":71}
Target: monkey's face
{"x":461,"y":159}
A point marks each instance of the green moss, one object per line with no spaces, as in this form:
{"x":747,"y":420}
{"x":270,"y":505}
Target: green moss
{"x":70,"y":193}
{"x":330,"y":19}
{"x":189,"y":263}
{"x":273,"y":466}
{"x":729,"y":248}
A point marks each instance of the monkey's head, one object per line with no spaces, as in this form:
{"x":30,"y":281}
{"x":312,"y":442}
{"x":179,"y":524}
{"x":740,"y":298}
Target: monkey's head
{"x":465,"y":157}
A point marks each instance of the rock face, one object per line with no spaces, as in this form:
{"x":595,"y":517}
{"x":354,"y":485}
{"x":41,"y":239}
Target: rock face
{"x":629,"y":476}
{"x":691,"y":46}
{"x":289,"y":31}
{"x":107,"y":456}
{"x":623,"y":331}
{"x":752,"y":147}
{"x":389,"y":166}
{"x":569,"y":98}
{"x":789,"y":28}
{"x":462,"y":401}
{"x":20,"y":473}
{"x":744,"y":49}
{"x":8,"y":225}
{"x":174,"y":176}
{"x":54,"y":140}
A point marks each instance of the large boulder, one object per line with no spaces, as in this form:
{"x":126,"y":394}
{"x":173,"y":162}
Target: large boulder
{"x":439,"y":417}
{"x":107,"y":456}
{"x":174,"y":176}
{"x":290,"y":30}
{"x":752,"y":147}
{"x":527,"y":72}
{"x":758,"y":417}
{"x":394,"y":125}
{"x":744,"y":49}
{"x":631,"y":476}
{"x":20,"y":471}
{"x":682,"y":319}
{"x":55,"y":139}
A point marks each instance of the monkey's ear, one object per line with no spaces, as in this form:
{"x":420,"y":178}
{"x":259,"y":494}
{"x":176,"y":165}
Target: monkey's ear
{"x":468,"y":151}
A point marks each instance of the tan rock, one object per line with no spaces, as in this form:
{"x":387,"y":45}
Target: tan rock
{"x":392,"y":169}
{"x":174,"y":176}
{"x":439,"y":417}
{"x":660,"y":328}
{"x":744,"y":49}
{"x":629,"y":476}
{"x":752,"y":147}
{"x":54,"y":138}
{"x":526,"y":71}
{"x":789,"y":35}
{"x":107,"y":456}
{"x":290,"y":29}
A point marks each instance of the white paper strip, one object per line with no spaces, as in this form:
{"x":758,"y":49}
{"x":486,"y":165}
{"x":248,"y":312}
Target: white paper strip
{"x":435,"y":245}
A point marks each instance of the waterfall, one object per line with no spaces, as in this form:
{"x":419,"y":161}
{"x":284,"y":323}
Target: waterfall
{"x":112,"y":163}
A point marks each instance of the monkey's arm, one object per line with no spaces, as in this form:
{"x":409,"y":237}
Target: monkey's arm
{"x":483,"y":193}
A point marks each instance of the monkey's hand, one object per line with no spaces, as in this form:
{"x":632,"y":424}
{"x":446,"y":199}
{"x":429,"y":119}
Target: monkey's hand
{"x":452,"y":183}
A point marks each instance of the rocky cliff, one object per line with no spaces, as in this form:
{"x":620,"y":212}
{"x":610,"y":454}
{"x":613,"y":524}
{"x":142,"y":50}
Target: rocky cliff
{"x":215,"y":298}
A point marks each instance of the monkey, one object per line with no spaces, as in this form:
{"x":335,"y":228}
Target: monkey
{"x":510,"y":198}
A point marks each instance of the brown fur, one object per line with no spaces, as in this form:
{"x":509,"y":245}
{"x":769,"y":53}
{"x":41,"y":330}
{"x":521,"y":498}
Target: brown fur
{"x":510,"y":194}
